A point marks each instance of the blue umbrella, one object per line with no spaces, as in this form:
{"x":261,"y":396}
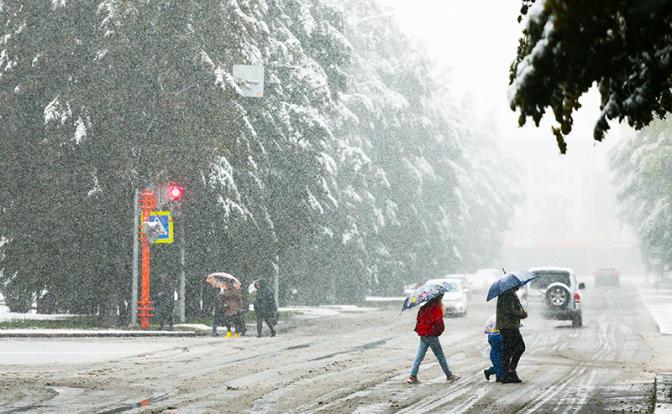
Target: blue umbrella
{"x":509,"y":281}
{"x":425,"y":293}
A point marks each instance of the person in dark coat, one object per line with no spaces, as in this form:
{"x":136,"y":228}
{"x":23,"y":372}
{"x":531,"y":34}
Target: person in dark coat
{"x":429,"y":327}
{"x":165,"y":302}
{"x":264,"y":307}
{"x":218,"y":312}
{"x":509,"y":314}
{"x":239,"y":319}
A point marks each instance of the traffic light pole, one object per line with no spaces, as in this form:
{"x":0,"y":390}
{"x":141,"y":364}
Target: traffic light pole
{"x":147,"y":204}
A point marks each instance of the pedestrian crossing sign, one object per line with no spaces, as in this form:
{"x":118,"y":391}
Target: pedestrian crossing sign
{"x":165,"y":230}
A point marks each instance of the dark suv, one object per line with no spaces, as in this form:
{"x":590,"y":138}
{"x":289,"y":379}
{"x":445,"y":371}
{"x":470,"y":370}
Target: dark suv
{"x":557,"y":292}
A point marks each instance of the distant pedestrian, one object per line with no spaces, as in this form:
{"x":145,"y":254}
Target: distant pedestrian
{"x":429,"y":327}
{"x":165,"y":302}
{"x":265,"y":307}
{"x":509,"y":314}
{"x":218,"y":311}
{"x":233,"y":309}
{"x":495,"y":341}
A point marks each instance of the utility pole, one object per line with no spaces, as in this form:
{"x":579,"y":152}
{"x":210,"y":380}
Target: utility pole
{"x":182,"y":288}
{"x":276,"y":284}
{"x":134,"y":275}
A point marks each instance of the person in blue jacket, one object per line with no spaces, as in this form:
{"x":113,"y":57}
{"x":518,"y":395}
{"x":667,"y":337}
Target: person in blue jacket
{"x":495,"y":341}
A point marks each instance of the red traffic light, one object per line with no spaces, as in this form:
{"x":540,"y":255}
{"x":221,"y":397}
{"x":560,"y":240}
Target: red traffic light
{"x":175,"y":192}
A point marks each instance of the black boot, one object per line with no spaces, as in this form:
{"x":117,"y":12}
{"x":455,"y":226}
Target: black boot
{"x":511,"y":378}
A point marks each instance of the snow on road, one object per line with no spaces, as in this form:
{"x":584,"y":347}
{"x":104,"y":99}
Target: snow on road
{"x":44,"y":352}
{"x":357,"y":362}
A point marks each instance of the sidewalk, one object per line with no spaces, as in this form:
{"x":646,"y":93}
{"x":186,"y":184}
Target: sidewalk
{"x":659,"y":304}
{"x":91,"y":333}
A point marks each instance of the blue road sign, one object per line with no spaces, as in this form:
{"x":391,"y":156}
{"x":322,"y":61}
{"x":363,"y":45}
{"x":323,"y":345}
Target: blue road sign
{"x":165,"y":233}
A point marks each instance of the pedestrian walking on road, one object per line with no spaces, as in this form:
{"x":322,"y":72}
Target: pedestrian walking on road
{"x":509,"y":314}
{"x":218,"y":311}
{"x":495,"y":341}
{"x":265,"y":308}
{"x":234,"y":309}
{"x":165,"y":302}
{"x":429,"y":327}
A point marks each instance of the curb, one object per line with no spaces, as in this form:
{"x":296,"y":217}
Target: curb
{"x":663,"y":394}
{"x":17,"y":333}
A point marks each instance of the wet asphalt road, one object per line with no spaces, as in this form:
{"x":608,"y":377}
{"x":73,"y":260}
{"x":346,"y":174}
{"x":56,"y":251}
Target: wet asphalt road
{"x":355,"y":363}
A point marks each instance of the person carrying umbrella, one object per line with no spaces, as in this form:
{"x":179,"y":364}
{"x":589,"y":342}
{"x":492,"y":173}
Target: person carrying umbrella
{"x":265,"y":308}
{"x":234,"y":308}
{"x":229,"y":307}
{"x":509,"y":313}
{"x":429,"y":326}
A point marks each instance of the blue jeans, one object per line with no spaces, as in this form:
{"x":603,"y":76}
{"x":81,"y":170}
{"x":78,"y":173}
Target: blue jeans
{"x":430,"y":342}
{"x":497,"y":368}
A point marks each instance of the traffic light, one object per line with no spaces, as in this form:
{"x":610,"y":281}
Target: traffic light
{"x":175,"y":192}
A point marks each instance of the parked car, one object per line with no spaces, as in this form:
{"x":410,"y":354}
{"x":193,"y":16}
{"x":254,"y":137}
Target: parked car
{"x":408,"y":289}
{"x":483,"y":278}
{"x":455,"y":302}
{"x":556,"y":293}
{"x":607,"y":276}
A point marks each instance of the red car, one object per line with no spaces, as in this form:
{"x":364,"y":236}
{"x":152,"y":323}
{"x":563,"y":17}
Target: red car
{"x":607,"y":276}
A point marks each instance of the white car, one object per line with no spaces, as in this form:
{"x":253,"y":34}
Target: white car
{"x":483,"y":279}
{"x":454,"y":302}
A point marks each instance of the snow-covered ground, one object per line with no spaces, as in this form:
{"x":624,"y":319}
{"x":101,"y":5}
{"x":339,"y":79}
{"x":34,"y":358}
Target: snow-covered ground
{"x":659,"y":303}
{"x":352,"y":362}
{"x":13,"y":316}
{"x":6,"y":315}
{"x":309,"y":312}
{"x":663,"y":393}
{"x":48,"y":351}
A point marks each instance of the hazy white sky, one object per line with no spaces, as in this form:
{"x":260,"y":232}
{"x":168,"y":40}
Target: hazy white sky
{"x":477,"y":40}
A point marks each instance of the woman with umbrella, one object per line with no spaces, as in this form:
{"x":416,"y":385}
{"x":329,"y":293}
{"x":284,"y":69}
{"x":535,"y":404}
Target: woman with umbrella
{"x":509,"y":313}
{"x":429,"y":327}
{"x":230,"y":306}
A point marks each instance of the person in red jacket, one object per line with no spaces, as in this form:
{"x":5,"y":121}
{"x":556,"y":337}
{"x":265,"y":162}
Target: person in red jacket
{"x":429,"y":326}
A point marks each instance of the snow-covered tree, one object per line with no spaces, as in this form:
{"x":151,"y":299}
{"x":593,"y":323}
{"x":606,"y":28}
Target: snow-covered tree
{"x":621,"y":45}
{"x":642,"y":167}
{"x":351,"y":174}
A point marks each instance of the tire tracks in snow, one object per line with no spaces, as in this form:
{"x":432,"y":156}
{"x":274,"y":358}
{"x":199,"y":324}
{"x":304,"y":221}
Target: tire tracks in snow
{"x":561,"y":389}
{"x":381,"y":384}
{"x":473,"y":386}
